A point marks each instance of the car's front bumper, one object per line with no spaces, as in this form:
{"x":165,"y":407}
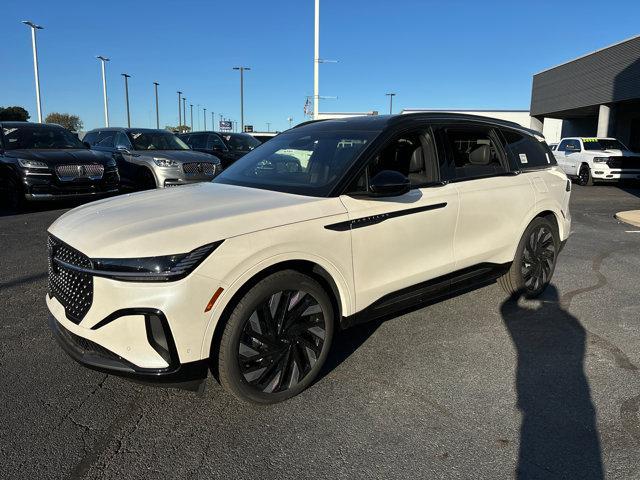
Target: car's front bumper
{"x":614,"y":174}
{"x":97,"y":357}
{"x":46,"y":186}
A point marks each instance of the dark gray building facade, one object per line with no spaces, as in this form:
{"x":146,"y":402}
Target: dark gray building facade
{"x":595,"y":95}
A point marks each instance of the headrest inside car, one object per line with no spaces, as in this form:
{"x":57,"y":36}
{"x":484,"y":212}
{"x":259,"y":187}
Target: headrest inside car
{"x":480,"y":155}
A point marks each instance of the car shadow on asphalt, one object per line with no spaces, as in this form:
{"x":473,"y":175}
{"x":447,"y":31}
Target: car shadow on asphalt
{"x":558,"y":435}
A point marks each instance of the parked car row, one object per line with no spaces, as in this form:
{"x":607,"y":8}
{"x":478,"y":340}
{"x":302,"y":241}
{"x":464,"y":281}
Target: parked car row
{"x":48,"y":162}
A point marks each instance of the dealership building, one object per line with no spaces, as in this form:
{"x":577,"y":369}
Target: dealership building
{"x":597,"y":94}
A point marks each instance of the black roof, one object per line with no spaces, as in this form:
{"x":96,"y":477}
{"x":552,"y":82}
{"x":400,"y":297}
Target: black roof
{"x":213,"y":131}
{"x":128,"y":129}
{"x":30,"y":124}
{"x":380,"y":122}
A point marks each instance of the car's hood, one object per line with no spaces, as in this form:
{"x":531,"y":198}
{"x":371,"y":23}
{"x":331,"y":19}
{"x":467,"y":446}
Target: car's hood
{"x":180,"y":219}
{"x":60,"y":156}
{"x":183,"y":156}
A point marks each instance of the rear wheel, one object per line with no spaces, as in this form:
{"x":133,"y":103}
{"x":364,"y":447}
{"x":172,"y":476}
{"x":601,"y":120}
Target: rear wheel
{"x":277,"y":338}
{"x":535,"y":260}
{"x":584,"y":175}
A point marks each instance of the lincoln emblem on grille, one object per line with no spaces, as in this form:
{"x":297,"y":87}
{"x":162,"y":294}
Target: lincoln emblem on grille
{"x":82,"y":171}
{"x":199,"y":168}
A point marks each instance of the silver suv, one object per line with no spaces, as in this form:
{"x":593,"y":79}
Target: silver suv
{"x":149,"y":158}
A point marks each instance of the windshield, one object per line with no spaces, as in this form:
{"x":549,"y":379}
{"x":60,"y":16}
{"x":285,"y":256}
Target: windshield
{"x":240,"y":141}
{"x":306,"y":162}
{"x":39,"y":137}
{"x":602,"y":144}
{"x":156,"y":140}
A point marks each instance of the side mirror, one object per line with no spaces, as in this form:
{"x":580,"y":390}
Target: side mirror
{"x":389,"y":183}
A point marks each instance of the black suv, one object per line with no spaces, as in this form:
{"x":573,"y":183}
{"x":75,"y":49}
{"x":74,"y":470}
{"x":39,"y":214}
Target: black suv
{"x":228,"y":147}
{"x":48,"y":162}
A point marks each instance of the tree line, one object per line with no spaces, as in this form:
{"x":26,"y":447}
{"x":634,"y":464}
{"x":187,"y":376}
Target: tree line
{"x":19,"y":114}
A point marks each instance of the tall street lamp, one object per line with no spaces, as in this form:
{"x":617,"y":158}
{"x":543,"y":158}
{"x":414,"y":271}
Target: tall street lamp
{"x":191,"y":105}
{"x":213,"y":120}
{"x":184,"y":110}
{"x":242,"y":70}
{"x":179,"y":111}
{"x":205,"y":118}
{"x":126,"y":95}
{"x":103,"y":61}
{"x":34,"y":44}
{"x":390,"y":95}
{"x":155,"y":87}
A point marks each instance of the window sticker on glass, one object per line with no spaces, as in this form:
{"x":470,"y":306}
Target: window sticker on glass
{"x":523,"y":158}
{"x":548,"y":159}
{"x":136,"y":135}
{"x":8,"y":131}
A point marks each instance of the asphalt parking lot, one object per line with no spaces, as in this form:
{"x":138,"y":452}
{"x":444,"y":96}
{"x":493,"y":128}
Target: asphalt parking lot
{"x":476,"y":386}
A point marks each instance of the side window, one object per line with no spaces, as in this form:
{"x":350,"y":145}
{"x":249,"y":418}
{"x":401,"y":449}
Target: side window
{"x":90,"y":138}
{"x":105,"y":139}
{"x":573,"y":146}
{"x":563,"y":146}
{"x":527,"y":151}
{"x":198,"y":141}
{"x":474,"y":152}
{"x":215,"y":142}
{"x":122,"y":141}
{"x":413,"y":154}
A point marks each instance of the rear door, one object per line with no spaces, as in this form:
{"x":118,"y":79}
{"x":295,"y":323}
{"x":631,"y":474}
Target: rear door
{"x":493,"y":197}
{"x":399,"y":242}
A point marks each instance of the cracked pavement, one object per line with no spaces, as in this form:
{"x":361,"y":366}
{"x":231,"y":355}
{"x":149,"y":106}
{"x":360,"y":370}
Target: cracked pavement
{"x":475,"y":386}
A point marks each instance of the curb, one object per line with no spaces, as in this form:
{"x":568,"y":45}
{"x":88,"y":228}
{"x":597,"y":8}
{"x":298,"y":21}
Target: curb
{"x":632,"y":217}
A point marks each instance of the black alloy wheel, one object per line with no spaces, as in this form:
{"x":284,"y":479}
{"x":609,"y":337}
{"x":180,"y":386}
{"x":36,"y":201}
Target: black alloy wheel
{"x":276,"y":338}
{"x":584,"y":175}
{"x":281,"y":341}
{"x":535,"y":259}
{"x":538,"y":259}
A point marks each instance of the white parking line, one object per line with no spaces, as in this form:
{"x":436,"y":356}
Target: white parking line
{"x":632,"y":231}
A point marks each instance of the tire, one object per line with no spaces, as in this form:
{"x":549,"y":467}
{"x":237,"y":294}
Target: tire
{"x":276,"y":339}
{"x":535,"y":260}
{"x":11,"y":195}
{"x":147,"y":181}
{"x":584,"y":176}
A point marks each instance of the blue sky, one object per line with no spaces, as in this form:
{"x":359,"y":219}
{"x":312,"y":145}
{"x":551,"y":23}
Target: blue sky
{"x":434,"y":54}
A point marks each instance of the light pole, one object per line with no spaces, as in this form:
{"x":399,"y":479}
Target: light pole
{"x":290,"y":119}
{"x":204,"y":115}
{"x":184,"y":110}
{"x":242,"y":70}
{"x":213,"y":121}
{"x":103,"y":61}
{"x":316,"y":61}
{"x":179,"y":111}
{"x":126,"y":94}
{"x":268,"y":126}
{"x":155,"y":87}
{"x":191,"y":105}
{"x":36,"y":71}
{"x":390,"y":95}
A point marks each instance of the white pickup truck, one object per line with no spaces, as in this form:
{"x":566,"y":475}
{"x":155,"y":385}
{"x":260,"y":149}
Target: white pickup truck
{"x":600,"y":159}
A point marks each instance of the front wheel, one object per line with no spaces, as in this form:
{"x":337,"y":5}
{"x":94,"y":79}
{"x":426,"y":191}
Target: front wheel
{"x":535,"y":260}
{"x":584,"y":176}
{"x":276,"y":339}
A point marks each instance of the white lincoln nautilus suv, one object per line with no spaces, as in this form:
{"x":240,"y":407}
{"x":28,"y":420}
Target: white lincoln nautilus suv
{"x":327,"y":225}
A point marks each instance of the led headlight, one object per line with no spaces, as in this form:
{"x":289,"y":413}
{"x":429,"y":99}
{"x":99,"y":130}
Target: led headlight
{"x":31,"y":163}
{"x":164,"y":162}
{"x":165,"y":268}
{"x":600,"y":159}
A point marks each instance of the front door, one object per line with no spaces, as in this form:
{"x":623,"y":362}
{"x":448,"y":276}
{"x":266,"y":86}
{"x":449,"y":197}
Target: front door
{"x":398,"y":242}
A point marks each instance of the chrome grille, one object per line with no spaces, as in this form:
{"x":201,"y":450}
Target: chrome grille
{"x":74,"y":290}
{"x":199,"y":168}
{"x":92,"y":171}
